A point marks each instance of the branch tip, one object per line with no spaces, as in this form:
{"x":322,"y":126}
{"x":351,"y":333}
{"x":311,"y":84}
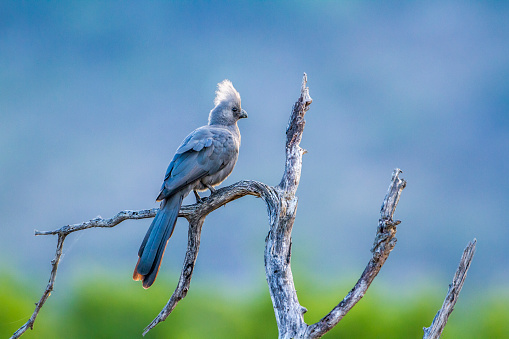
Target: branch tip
{"x":304,"y":81}
{"x":384,"y":242}
{"x":196,"y":213}
{"x":304,"y":92}
{"x":442,"y":316}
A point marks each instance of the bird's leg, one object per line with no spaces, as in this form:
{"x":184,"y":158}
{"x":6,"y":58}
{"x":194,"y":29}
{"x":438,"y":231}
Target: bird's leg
{"x":197,"y":196}
{"x":212,"y":189}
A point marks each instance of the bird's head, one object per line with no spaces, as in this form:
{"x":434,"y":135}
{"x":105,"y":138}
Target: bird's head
{"x":227,"y":110}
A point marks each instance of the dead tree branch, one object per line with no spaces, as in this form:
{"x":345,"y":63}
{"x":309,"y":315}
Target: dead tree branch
{"x":282,"y":210}
{"x":47,"y":292}
{"x":281,"y":202}
{"x":62,"y":233}
{"x":196,"y":214}
{"x":100,"y":222}
{"x":440,"y":320}
{"x":385,"y":241}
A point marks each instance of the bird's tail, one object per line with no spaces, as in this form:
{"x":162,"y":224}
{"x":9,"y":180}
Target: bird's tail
{"x":152,"y":248}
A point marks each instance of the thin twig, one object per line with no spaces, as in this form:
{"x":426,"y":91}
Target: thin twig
{"x":47,"y":292}
{"x":190,"y":212}
{"x":385,"y":241}
{"x":440,"y":320}
{"x":196,"y":214}
{"x":194,"y":236}
{"x":100,"y":222}
{"x":62,"y":234}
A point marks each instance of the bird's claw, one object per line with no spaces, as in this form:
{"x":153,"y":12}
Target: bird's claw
{"x":212,"y":189}
{"x":197,"y":196}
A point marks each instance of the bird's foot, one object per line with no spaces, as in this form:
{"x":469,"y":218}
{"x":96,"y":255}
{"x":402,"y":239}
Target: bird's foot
{"x":197,"y":196}
{"x":212,"y":189}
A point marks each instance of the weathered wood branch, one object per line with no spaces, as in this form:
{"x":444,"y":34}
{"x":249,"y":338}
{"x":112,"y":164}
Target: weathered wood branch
{"x":278,"y":244}
{"x":281,"y":206}
{"x":196,"y":214}
{"x":385,"y":240}
{"x":102,"y":223}
{"x":440,"y":320}
{"x":193,"y":245}
{"x":281,"y":202}
{"x":47,"y":292}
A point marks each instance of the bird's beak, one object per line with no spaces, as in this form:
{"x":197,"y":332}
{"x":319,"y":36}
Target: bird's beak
{"x":243,"y":114}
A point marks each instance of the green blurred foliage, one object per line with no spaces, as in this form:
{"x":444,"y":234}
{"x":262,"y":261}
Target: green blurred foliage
{"x":117,"y":308}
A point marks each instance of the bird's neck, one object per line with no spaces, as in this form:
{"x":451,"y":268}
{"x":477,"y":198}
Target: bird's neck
{"x":233,"y":128}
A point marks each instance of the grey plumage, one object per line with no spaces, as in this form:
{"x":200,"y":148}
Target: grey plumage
{"x":205,"y":158}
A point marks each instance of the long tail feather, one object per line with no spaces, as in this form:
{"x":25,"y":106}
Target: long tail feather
{"x":152,"y":248}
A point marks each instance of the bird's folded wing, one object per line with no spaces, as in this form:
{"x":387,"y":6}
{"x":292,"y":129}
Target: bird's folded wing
{"x":203,"y":152}
{"x":199,"y":138}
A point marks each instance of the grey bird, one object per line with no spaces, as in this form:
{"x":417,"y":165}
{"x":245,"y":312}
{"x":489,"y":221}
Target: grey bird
{"x":205,"y":158}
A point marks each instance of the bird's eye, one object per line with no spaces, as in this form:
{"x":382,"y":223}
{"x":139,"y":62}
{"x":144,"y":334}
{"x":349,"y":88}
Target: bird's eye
{"x":234,"y":109}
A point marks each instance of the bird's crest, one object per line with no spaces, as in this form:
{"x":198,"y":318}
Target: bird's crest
{"x":226,"y":92}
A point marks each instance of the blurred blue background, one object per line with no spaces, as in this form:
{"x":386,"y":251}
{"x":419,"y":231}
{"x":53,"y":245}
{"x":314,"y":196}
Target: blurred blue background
{"x":96,"y":96}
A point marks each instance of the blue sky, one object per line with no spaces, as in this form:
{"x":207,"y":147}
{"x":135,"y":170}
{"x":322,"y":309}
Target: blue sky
{"x":95,"y":98}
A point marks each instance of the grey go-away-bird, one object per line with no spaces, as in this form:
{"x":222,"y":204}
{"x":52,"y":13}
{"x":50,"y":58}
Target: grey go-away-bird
{"x":205,"y":158}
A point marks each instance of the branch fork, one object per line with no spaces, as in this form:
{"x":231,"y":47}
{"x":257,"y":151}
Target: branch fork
{"x":281,"y":202}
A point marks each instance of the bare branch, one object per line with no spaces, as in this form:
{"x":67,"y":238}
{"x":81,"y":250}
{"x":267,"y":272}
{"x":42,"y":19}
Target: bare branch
{"x":100,"y":222}
{"x":47,"y":292}
{"x":385,"y":241}
{"x":224,"y":195}
{"x":281,"y":204}
{"x":282,"y":211}
{"x":440,"y":320}
{"x":62,"y":234}
{"x":196,"y":214}
{"x":294,"y":130}
{"x":193,"y":245}
{"x":193,"y":213}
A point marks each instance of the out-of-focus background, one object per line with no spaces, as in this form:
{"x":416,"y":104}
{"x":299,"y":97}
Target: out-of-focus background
{"x":96,"y":96}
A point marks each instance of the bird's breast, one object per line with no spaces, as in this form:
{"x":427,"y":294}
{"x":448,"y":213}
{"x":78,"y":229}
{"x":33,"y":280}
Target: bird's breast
{"x":219,"y":176}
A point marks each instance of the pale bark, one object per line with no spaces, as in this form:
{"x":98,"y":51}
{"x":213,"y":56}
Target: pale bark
{"x":438,"y":324}
{"x":385,"y":241}
{"x":281,"y":202}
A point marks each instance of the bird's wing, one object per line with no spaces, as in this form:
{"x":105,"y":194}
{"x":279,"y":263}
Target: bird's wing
{"x":197,"y":140}
{"x":202,"y":153}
